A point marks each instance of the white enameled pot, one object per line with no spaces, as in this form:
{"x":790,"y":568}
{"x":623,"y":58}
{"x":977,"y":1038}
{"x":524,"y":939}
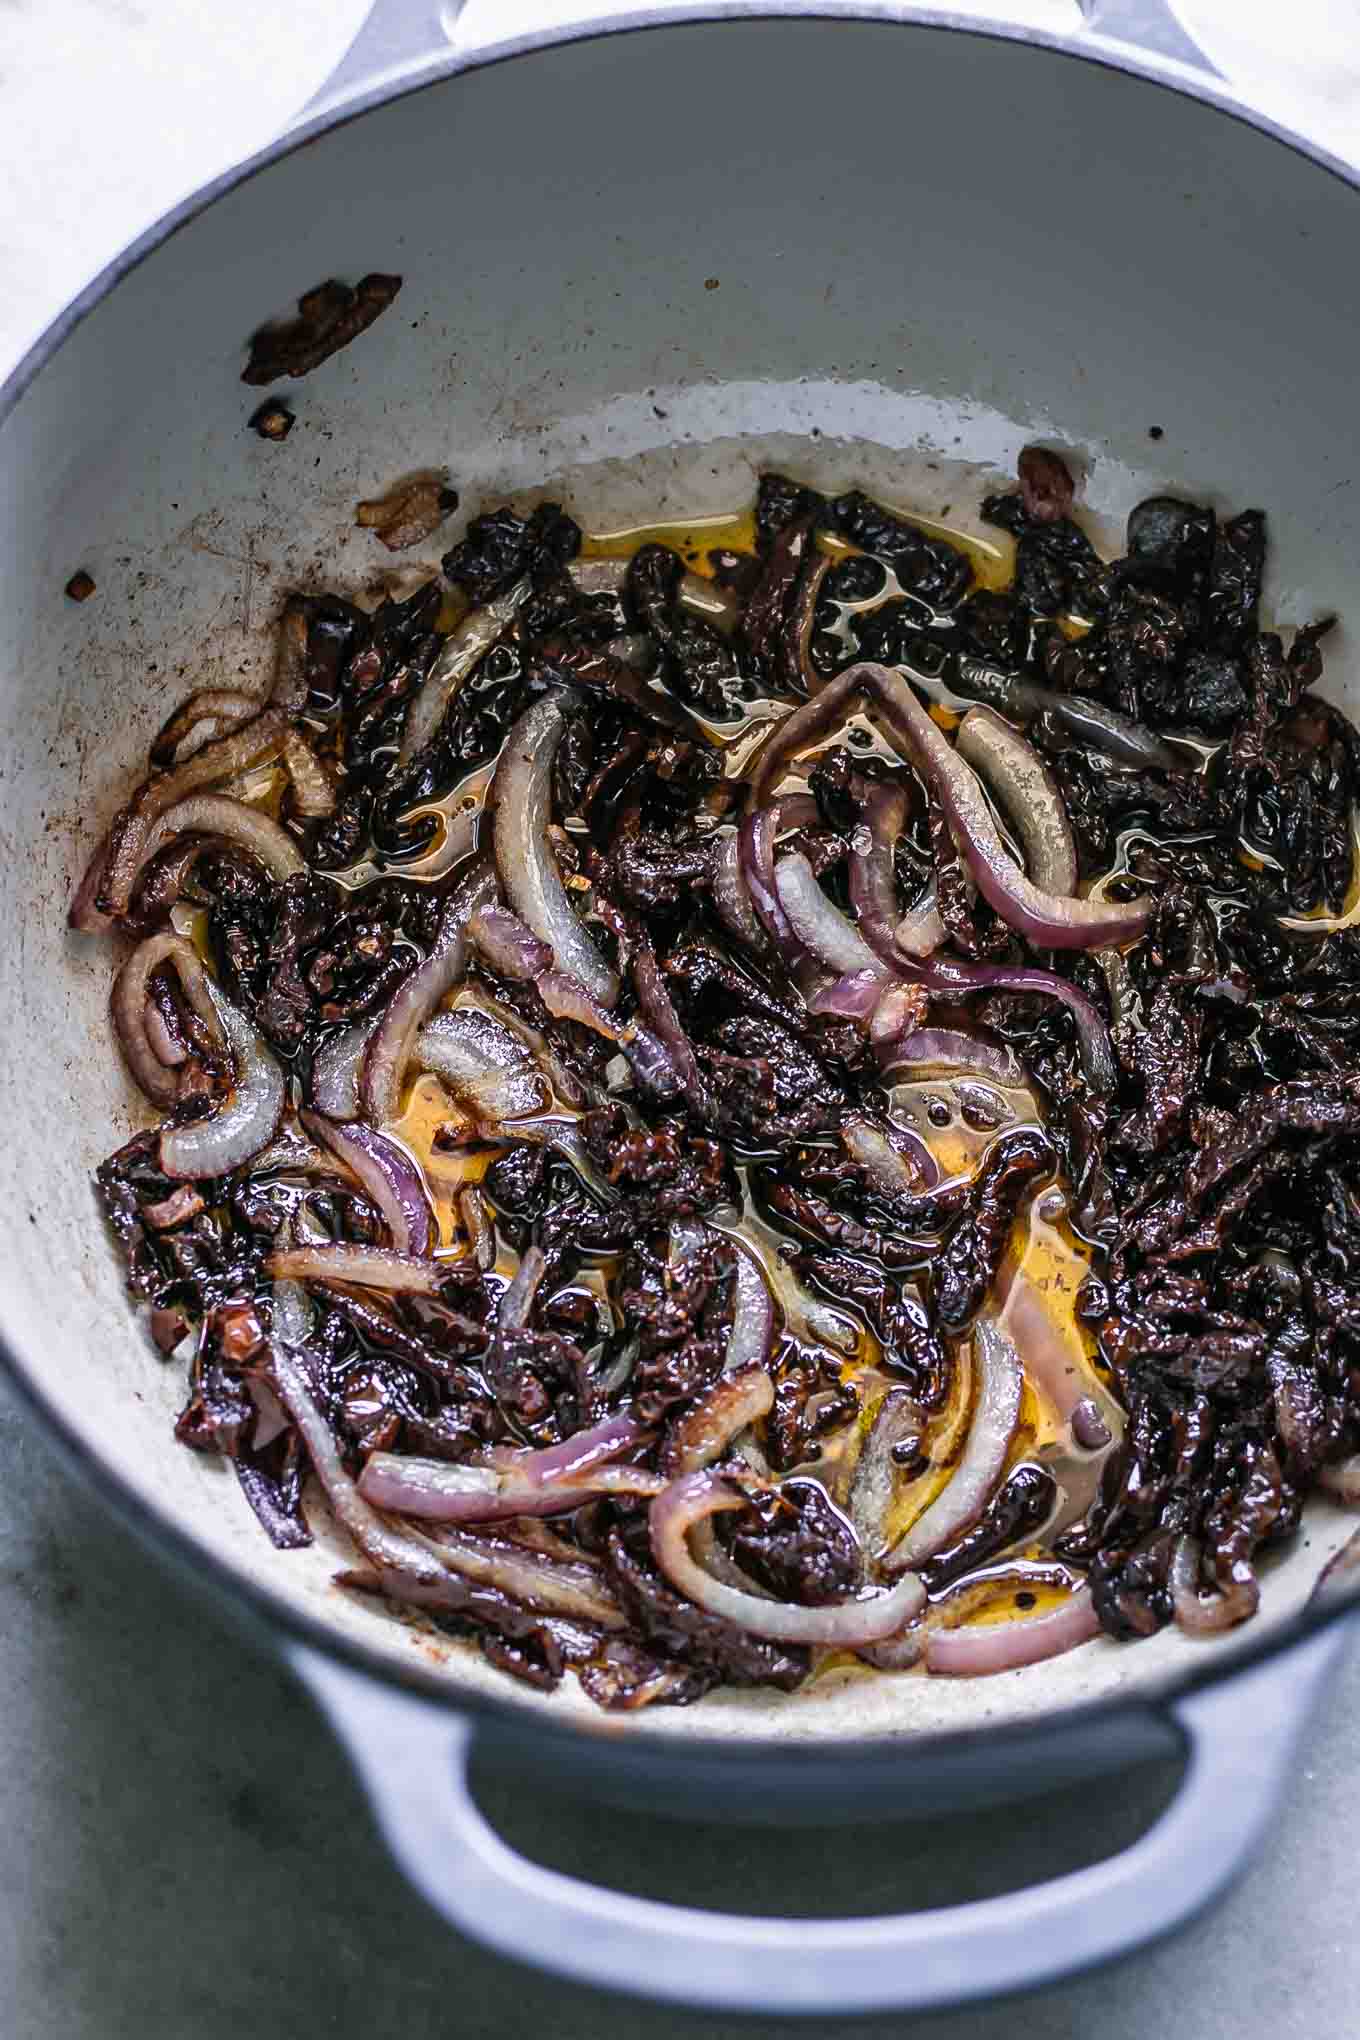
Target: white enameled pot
{"x":883,"y":245}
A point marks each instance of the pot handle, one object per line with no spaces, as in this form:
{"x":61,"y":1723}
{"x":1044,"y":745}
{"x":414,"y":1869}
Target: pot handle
{"x":412,"y":1757}
{"x":402,"y":38}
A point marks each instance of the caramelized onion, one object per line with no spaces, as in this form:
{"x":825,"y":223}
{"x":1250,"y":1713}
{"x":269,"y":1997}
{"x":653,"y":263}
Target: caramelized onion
{"x":387,"y":1174}
{"x":507,"y":945}
{"x":978,"y":1649}
{"x":509,"y":1482}
{"x":949,"y":1048}
{"x":485,"y":1066}
{"x":1204,"y":1614}
{"x":217,"y":814}
{"x":106,"y":891}
{"x":462,"y":650}
{"x":574,"y":1589}
{"x":247,"y":1121}
{"x":1042,"y":918}
{"x":731,"y":901}
{"x":213,"y":711}
{"x":368,"y":1267}
{"x":996,"y":1415}
{"x":705,"y":1430}
{"x":390,"y":1048}
{"x":522,"y":797}
{"x":898,"y":1164}
{"x":335,"y":1070}
{"x":818,"y":923}
{"x":128,"y":1005}
{"x":1028,"y":792}
{"x":873,"y":887}
{"x":694,"y":1498}
{"x":313,"y":784}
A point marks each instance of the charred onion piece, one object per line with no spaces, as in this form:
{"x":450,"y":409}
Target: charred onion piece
{"x":368,"y":1267}
{"x":818,"y":923}
{"x":461,"y":652}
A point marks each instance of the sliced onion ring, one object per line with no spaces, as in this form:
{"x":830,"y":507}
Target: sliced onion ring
{"x":1046,"y":921}
{"x":105,"y":893}
{"x":978,"y":1649}
{"x":1202,"y":1614}
{"x":693,"y":1499}
{"x":507,"y":945}
{"x":487,"y":1068}
{"x":128,"y":1004}
{"x":335,"y":1070}
{"x":389,"y":1051}
{"x":509,"y":1482}
{"x":996,"y":1415}
{"x":818,"y":922}
{"x":1028,"y":792}
{"x":213,"y":710}
{"x":521,"y":794}
{"x":367,"y":1267}
{"x":387,"y":1174}
{"x":704,"y":1431}
{"x":247,"y":1121}
{"x":462,"y":650}
{"x":873,"y":888}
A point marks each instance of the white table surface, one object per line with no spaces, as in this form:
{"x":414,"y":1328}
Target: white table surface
{"x":183,"y":1854}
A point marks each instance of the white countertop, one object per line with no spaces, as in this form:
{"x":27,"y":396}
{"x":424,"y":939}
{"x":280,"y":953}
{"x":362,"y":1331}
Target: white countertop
{"x":185,"y":1855}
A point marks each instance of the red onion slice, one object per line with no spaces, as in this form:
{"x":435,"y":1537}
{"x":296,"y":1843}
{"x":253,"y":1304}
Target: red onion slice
{"x":949,"y":1048}
{"x":1043,"y":919}
{"x":335,"y":1070}
{"x":921,"y":931}
{"x":898,"y":1164}
{"x":1028,"y":792}
{"x":1093,"y":1417}
{"x":658,"y":1007}
{"x":507,"y":945}
{"x":1342,"y":1480}
{"x":752,"y":1331}
{"x":290,"y":685}
{"x":1202,"y":1614}
{"x":313,"y":783}
{"x":798,"y":732}
{"x":390,"y":1049}
{"x":485,"y":1066}
{"x":856,"y":996}
{"x":217,"y":814}
{"x":700,"y":597}
{"x":731,"y":900}
{"x":996,"y":1415}
{"x":213,"y":711}
{"x":695,"y":1497}
{"x":575,"y":1590}
{"x":367,"y":1267}
{"x":128,"y":1005}
{"x":388,"y":1175}
{"x":462,"y":650}
{"x":978,"y":1649}
{"x":103,"y":897}
{"x":705,"y":1430}
{"x":383,"y":1544}
{"x":755,"y":850}
{"x":947,"y":978}
{"x":899,"y":1012}
{"x":873,"y":886}
{"x":247,"y":1121}
{"x":521,"y":794}
{"x":509,"y":1482}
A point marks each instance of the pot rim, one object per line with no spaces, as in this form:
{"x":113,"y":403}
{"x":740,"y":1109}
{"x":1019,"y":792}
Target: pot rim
{"x":256,"y":1608}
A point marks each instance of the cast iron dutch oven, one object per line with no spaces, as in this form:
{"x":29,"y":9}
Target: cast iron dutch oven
{"x":934,"y":236}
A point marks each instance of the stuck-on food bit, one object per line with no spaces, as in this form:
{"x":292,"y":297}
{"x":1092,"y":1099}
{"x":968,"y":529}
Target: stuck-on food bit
{"x":408,"y":513}
{"x":329,"y":317}
{"x":81,"y":586}
{"x":272,"y":420}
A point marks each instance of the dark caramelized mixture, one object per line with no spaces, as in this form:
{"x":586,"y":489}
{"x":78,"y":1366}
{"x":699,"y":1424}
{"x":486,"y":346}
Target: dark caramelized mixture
{"x":698,"y":1205}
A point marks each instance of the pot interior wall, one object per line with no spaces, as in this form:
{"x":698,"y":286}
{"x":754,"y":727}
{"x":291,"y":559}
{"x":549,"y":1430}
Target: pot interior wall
{"x":636,"y":270}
